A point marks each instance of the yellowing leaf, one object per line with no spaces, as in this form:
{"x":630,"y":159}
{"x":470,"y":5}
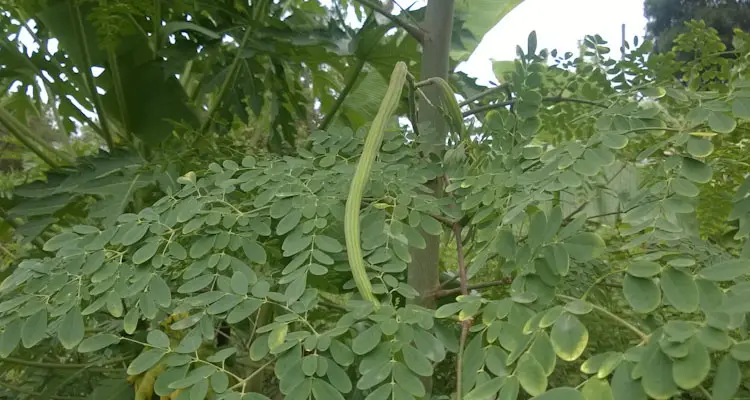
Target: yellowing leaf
{"x":569,"y":337}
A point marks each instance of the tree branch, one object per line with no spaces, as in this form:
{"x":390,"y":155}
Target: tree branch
{"x":476,"y":286}
{"x":479,"y":96}
{"x":416,"y":32}
{"x":556,"y":99}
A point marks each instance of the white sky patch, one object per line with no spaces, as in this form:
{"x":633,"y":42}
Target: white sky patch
{"x":558,"y":25}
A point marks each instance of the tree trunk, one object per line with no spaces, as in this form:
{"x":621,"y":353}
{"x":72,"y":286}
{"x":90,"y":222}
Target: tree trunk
{"x":424,"y":269}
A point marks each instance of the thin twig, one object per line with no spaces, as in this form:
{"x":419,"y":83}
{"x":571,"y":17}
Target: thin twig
{"x":481,"y":95}
{"x":582,"y":206}
{"x":416,"y":32}
{"x":477,"y":286}
{"x":556,"y":99}
{"x":644,"y":337}
{"x":466,"y":324}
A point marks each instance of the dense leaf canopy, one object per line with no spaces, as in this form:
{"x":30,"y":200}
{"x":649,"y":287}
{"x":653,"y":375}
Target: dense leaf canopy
{"x":592,"y":214}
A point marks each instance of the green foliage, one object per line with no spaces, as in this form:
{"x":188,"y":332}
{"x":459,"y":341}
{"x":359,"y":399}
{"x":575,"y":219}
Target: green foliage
{"x":582,"y":197}
{"x":667,"y":18}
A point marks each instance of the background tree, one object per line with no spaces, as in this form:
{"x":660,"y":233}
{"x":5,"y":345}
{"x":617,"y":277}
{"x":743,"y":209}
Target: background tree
{"x":667,"y":18}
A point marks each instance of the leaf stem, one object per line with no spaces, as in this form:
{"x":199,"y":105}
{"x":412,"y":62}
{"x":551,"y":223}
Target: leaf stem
{"x":344,"y":93}
{"x":23,"y":135}
{"x":600,"y":280}
{"x":227,"y":82}
{"x":415,"y":31}
{"x":75,"y":11}
{"x":466,"y":324}
{"x":644,"y":337}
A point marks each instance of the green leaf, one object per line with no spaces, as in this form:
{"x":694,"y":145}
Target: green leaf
{"x":695,"y":170}
{"x":644,"y":269}
{"x":277,"y":337}
{"x":98,"y":342}
{"x":341,"y":353}
{"x":177,"y":26}
{"x":71,"y":329}
{"x":688,"y":372}
{"x":239,"y":282}
{"x":531,"y":375}
{"x":202,"y":246}
{"x":641,"y":293}
{"x":381,"y":393}
{"x":584,"y":246}
{"x":145,"y":361}
{"x":219,"y":382}
{"x":158,"y":338}
{"x":338,"y":378}
{"x":726,"y":270}
{"x":727,"y":379}
{"x":624,"y":387}
{"x":509,"y":390}
{"x":145,"y":253}
{"x":699,"y":147}
{"x":569,"y":337}
{"x":34,"y":329}
{"x":596,"y":389}
{"x":741,"y":107}
{"x":657,"y":377}
{"x":196,"y":284}
{"x":475,"y":19}
{"x":543,"y":351}
{"x":289,"y":222}
{"x":486,"y":390}
{"x":562,"y":393}
{"x":254,"y":252}
{"x":537,"y":229}
{"x":431,"y":225}
{"x":417,"y":361}
{"x":323,"y":390}
{"x":10,"y":337}
{"x":680,"y":289}
{"x":495,"y":361}
{"x":134,"y":234}
{"x":328,"y":244}
{"x":367,"y":340}
{"x":720,"y":122}
{"x":408,"y":381}
{"x":446,"y":310}
{"x":741,"y":351}
{"x":685,"y":188}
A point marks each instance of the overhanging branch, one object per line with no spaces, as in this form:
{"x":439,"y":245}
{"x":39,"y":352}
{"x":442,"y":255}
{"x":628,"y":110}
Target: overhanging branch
{"x":556,"y":99}
{"x":416,"y":32}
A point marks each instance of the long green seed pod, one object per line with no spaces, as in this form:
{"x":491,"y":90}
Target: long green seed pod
{"x":361,"y":176}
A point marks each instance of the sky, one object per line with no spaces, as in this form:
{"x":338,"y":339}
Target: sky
{"x":559,"y":24}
